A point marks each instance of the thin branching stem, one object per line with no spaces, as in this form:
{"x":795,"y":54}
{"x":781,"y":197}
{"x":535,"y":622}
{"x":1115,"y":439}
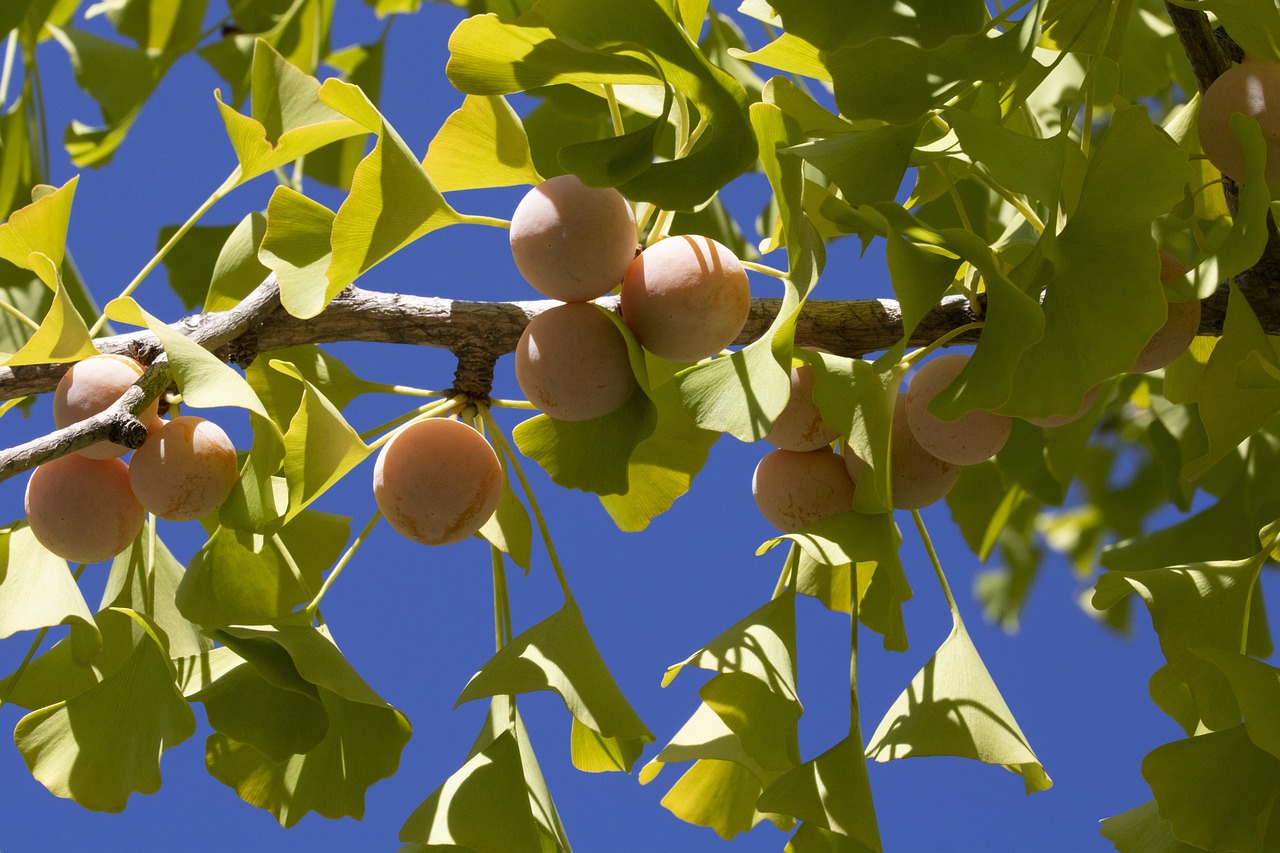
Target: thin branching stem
{"x":314,"y":607}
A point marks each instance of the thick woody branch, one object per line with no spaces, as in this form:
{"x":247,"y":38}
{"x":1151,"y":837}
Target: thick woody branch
{"x":227,"y":332}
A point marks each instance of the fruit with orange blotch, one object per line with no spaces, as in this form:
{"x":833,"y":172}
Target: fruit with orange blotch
{"x":83,"y":509}
{"x":974,"y":437}
{"x":686,"y":298}
{"x":91,"y":386}
{"x":793,"y":489}
{"x":185,"y":470}
{"x":437,"y":481}
{"x":572,"y":363}
{"x":570,"y":241}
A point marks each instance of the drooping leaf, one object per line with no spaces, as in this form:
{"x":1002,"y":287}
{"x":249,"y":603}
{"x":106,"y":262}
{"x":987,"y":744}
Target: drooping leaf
{"x":191,"y":261}
{"x":1197,"y":606}
{"x":1256,"y":686}
{"x":146,"y":579}
{"x":831,"y":791}
{"x":100,"y":746}
{"x":558,"y":654}
{"x":952,"y":707}
{"x":296,"y":248}
{"x":237,"y":270}
{"x":39,"y":227}
{"x":62,"y":335}
{"x":362,"y":743}
{"x":277,"y":718}
{"x":361,"y":65}
{"x":1217,"y":790}
{"x":1142,"y":830}
{"x":36,"y":588}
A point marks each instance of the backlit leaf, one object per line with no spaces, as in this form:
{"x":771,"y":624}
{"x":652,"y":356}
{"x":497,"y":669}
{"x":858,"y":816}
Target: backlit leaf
{"x":831,"y":791}
{"x":36,"y":588}
{"x":63,"y":335}
{"x":482,"y":144}
{"x":296,"y":248}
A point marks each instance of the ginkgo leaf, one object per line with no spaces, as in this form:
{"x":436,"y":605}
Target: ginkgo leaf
{"x":718,"y":794}
{"x":1197,"y":606}
{"x":857,"y":400}
{"x":482,"y":144}
{"x":952,"y":707}
{"x":462,"y":811}
{"x":190,"y":262}
{"x":361,"y":65}
{"x":237,"y":270}
{"x":36,"y":587}
{"x":509,"y":528}
{"x":831,"y":791}
{"x":320,"y":447}
{"x":277,"y":721}
{"x":812,"y":838}
{"x":1217,"y":790}
{"x":203,"y":378}
{"x":100,"y":746}
{"x":791,"y":54}
{"x":361,"y":745}
{"x":288,"y":118}
{"x":662,"y":466}
{"x":761,"y":644}
{"x":1256,"y":686}
{"x":1142,"y":830}
{"x":296,"y":248}
{"x":39,"y":227}
{"x":62,"y":335}
{"x":145,"y":577}
{"x":558,"y":654}
{"x":392,"y":201}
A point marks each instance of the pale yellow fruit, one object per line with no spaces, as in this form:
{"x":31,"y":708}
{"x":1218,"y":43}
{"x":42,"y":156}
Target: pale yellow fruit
{"x":1252,"y":88}
{"x":437,"y":481}
{"x":572,"y":363}
{"x":185,"y":470}
{"x":686,"y":298}
{"x":972,"y":438}
{"x":572,"y":242}
{"x":799,"y":427}
{"x":83,"y":509}
{"x":89,"y":387}
{"x":918,"y":478}
{"x":794,"y":490}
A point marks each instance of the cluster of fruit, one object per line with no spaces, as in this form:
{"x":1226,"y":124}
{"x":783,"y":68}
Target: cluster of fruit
{"x":804,"y":481}
{"x":685,"y":298}
{"x":88,"y":506}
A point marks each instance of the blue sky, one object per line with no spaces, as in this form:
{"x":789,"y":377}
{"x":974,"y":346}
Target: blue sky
{"x":417,"y":622}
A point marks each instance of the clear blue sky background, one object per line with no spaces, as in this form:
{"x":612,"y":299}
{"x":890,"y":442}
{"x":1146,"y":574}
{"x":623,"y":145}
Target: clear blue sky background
{"x":417,"y":622}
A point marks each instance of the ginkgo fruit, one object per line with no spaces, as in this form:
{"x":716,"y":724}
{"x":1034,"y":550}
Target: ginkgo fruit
{"x":972,"y":438}
{"x":83,"y":509}
{"x":794,"y":490}
{"x":572,"y":363}
{"x":437,"y":481}
{"x":686,"y":298}
{"x":185,"y":469}
{"x":570,"y":241}
{"x":917,"y":477}
{"x":1251,"y":88}
{"x":1180,"y":327}
{"x":89,"y":387}
{"x":799,"y":426}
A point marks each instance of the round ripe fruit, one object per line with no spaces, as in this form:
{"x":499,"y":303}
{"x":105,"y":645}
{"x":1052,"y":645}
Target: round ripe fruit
{"x":89,"y":387}
{"x":83,"y":509}
{"x":686,"y":298}
{"x":437,"y":481}
{"x":793,"y":490}
{"x":975,"y":437}
{"x":1173,"y":338}
{"x":1252,"y":88}
{"x":918,"y":477}
{"x":1063,"y":420}
{"x":570,"y":241}
{"x":185,"y":469}
{"x":799,"y":427}
{"x":572,"y":363}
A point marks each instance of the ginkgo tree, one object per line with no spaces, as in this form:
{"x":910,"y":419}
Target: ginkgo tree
{"x":1022,"y":167}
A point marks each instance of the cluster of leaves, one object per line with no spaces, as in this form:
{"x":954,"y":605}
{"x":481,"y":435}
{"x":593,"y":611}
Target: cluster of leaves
{"x":1047,"y":152}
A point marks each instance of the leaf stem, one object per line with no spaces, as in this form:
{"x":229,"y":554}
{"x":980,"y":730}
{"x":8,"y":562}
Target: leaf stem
{"x":615,"y":112}
{"x":18,"y":315}
{"x":913,"y":357}
{"x":501,"y":599}
{"x":523,"y":405}
{"x":291,"y":563}
{"x":217,"y":195}
{"x":6,"y":76}
{"x":314,"y":606}
{"x":496,"y":435}
{"x":764,"y":270}
{"x":476,"y":219}
{"x":789,"y":568}
{"x":429,"y":410}
{"x":937,"y":564}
